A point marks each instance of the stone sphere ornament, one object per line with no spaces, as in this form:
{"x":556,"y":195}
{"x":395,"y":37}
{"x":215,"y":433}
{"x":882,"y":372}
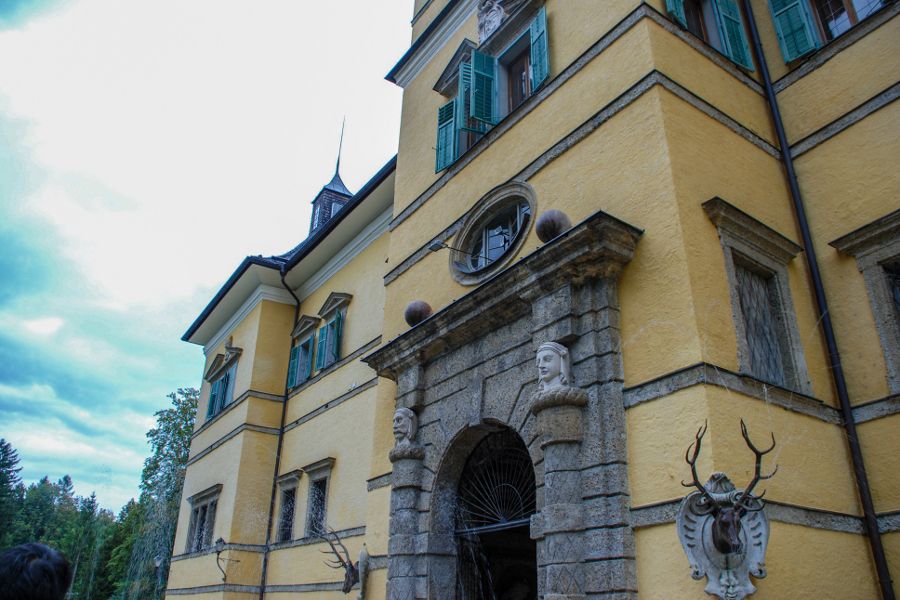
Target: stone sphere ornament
{"x":416,"y":312}
{"x":552,"y":223}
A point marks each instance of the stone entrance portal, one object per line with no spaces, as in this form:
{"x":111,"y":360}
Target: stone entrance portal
{"x":496,"y":559}
{"x":469,"y":406}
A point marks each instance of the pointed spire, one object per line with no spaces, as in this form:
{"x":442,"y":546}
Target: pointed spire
{"x":337,"y":167}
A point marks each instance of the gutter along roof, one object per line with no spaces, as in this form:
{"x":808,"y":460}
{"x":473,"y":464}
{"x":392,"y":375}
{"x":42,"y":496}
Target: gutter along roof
{"x":283,"y":263}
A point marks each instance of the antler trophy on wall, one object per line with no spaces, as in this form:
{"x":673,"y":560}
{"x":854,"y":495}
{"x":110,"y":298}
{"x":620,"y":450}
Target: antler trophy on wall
{"x":352,"y":571}
{"x":723,"y":530}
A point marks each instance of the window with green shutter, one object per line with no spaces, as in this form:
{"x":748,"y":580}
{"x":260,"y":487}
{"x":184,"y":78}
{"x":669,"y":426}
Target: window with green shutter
{"x":292,"y":366}
{"x":321,"y":348}
{"x":489,"y":84}
{"x":719,"y":23}
{"x":794,"y":28}
{"x":213,"y":398}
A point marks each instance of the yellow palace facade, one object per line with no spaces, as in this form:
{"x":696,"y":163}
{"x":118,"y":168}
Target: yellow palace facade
{"x":614,"y":231}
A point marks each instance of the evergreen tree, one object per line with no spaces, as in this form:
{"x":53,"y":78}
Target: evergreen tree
{"x":11,"y":491}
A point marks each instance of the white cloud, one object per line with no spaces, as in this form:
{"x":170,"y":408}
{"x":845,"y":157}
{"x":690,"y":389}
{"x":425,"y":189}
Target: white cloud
{"x":43,"y":326}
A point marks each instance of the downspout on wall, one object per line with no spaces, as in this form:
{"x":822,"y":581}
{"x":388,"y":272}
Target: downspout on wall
{"x":284,"y":403}
{"x":834,"y":357}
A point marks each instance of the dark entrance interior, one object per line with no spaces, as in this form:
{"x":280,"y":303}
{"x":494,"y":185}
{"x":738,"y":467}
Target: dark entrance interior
{"x":496,"y":558}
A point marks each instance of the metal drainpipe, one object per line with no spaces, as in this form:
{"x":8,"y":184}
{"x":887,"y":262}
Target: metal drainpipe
{"x":284,"y":403}
{"x":837,"y":372}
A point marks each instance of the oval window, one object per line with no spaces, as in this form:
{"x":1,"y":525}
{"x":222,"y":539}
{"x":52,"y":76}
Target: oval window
{"x":495,"y":229}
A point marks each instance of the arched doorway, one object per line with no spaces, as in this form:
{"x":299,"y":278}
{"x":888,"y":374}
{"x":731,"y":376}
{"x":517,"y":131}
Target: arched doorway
{"x":496,"y":557}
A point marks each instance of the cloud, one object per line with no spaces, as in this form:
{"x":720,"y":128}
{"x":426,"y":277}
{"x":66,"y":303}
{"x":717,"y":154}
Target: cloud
{"x":145,"y":149}
{"x":44,"y":326}
{"x":16,"y":13}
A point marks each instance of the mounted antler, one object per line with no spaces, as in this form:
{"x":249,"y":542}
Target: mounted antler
{"x":747,"y":494}
{"x":351,"y":569}
{"x":691,"y":459}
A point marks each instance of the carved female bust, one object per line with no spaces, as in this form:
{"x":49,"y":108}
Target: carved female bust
{"x":554,"y":367}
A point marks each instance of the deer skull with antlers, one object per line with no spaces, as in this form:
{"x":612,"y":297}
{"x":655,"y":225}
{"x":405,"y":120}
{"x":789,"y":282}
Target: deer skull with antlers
{"x":723,"y":529}
{"x":351,"y":569}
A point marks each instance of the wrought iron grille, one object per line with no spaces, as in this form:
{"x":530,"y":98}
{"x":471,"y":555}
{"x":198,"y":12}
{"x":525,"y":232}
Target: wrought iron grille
{"x":497,"y":488}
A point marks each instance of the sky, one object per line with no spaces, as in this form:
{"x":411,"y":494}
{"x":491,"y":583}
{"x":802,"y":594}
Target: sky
{"x":145,"y":149}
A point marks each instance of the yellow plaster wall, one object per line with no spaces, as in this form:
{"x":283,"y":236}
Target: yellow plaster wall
{"x":802,"y":564}
{"x":704,"y":78}
{"x":257,"y":411}
{"x":362,"y":278}
{"x":891,"y":543}
{"x":328,"y":388}
{"x":881,"y":451}
{"x":243,"y":336}
{"x":271,"y":356}
{"x":812,"y":456}
{"x":305,"y":563}
{"x":383,"y":434}
{"x":251,"y":510}
{"x":378,"y":520}
{"x":326,"y":436}
{"x":214,"y":468}
{"x":849,"y":79}
{"x":847,"y":182}
{"x":703,"y":154}
{"x":195,"y":572}
{"x":427,"y":17}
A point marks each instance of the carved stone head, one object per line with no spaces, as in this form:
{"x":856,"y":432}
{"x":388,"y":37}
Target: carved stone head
{"x":406,"y":424}
{"x":554,"y":366}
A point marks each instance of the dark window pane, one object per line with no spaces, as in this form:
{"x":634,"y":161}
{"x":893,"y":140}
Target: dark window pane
{"x":315,"y":520}
{"x":759,"y":308}
{"x":834,"y":17}
{"x":693,"y":14}
{"x":286,"y":522}
{"x":892,"y":270}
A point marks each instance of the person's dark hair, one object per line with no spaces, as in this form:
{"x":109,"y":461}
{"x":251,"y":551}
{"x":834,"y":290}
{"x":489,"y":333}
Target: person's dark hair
{"x":34,"y":572}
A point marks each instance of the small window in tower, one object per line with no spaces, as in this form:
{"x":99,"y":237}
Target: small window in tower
{"x":286,"y":520}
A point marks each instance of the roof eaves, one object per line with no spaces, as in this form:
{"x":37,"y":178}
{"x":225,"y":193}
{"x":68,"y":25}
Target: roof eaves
{"x":262,"y":261}
{"x":392,"y":74}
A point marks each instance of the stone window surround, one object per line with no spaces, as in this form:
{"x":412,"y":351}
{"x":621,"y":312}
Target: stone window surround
{"x":873,"y":245}
{"x":757,"y":243}
{"x":206,"y":497}
{"x":478,"y":215}
{"x":303,"y":332}
{"x":321,"y":469}
{"x":290,"y":480}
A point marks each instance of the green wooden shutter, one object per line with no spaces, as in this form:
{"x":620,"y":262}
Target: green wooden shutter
{"x":675,"y":9}
{"x":446,"y":137}
{"x":213,"y":397}
{"x":461,"y":108}
{"x":794,"y":27}
{"x":292,"y":366}
{"x":540,"y":53}
{"x":230,"y":376}
{"x":731,"y":30}
{"x":481,"y":91}
{"x":321,"y":348}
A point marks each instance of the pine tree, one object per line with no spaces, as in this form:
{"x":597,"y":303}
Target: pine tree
{"x":11,"y":492}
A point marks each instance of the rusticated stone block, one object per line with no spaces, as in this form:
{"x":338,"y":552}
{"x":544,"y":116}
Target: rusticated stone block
{"x":609,"y":542}
{"x":562,"y":517}
{"x":607,"y":510}
{"x":605,"y":479}
{"x":610,"y":575}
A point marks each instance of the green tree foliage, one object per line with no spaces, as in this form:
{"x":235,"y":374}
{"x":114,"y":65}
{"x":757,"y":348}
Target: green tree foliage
{"x":112,"y":556}
{"x":11,"y":491}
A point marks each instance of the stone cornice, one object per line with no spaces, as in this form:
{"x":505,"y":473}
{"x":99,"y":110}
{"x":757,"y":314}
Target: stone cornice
{"x":744,"y":229}
{"x":876,"y":235}
{"x":597,"y":247}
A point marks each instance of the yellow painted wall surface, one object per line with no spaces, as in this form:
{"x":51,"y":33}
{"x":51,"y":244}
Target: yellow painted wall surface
{"x":852,"y":77}
{"x":251,"y":509}
{"x":847,"y":182}
{"x":424,"y":18}
{"x":284,"y":563}
{"x":802,"y":563}
{"x":377,"y":520}
{"x":257,"y":411}
{"x":891,"y":543}
{"x":271,"y":356}
{"x":812,"y":458}
{"x":880,"y":441}
{"x":715,"y":85}
{"x":704,"y":153}
{"x":243,"y":336}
